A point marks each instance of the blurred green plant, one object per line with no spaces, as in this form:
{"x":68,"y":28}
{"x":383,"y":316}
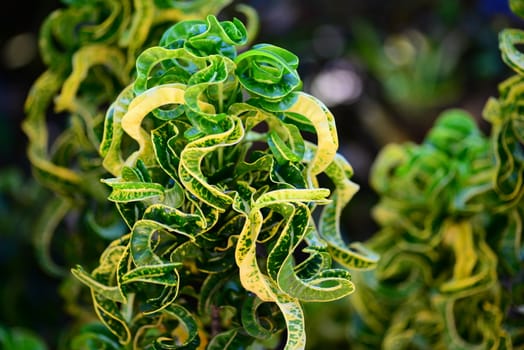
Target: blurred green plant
{"x":19,"y":198}
{"x":415,"y":71}
{"x":451,"y":214}
{"x":20,"y":339}
{"x":445,"y":242}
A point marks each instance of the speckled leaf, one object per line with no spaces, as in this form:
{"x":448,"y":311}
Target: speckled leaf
{"x":187,"y":321}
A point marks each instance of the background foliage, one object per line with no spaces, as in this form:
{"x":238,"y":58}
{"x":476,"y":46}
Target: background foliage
{"x":457,"y":43}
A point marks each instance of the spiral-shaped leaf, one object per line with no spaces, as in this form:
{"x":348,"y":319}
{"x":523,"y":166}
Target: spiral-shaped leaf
{"x":268,"y":72}
{"x":204,"y":38}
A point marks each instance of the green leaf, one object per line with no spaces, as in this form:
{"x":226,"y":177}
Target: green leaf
{"x":201,"y":7}
{"x":217,"y":85}
{"x":94,"y":336}
{"x":178,"y":221}
{"x":508,"y":41}
{"x":326,"y":285}
{"x":53,"y":213}
{"x":190,"y":171}
{"x":125,"y":192}
{"x":139,"y":107}
{"x":165,"y":274}
{"x":190,"y":326}
{"x":83,"y":60}
{"x":251,"y":321}
{"x":109,"y":292}
{"x":280,"y":150}
{"x":293,"y":195}
{"x":268,"y":71}
{"x":167,"y":158}
{"x":517,"y":7}
{"x":147,"y":64}
{"x":110,"y":315}
{"x":205,"y":38}
{"x":58,"y":178}
{"x":20,"y":339}
{"x":355,"y":256}
{"x":144,"y":238}
{"x":110,"y":146}
{"x":228,"y":340}
{"x":324,"y":124}
{"x":294,"y":317}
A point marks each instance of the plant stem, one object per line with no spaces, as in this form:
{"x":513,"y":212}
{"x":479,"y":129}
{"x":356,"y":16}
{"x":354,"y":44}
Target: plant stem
{"x":127,"y":308}
{"x":220,"y":98}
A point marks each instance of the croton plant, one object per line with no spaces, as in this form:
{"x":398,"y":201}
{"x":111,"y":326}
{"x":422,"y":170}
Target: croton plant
{"x":451,"y":212}
{"x":216,"y":165}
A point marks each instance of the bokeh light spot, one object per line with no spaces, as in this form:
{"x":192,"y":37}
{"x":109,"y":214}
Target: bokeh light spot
{"x":19,"y":50}
{"x":337,"y":85}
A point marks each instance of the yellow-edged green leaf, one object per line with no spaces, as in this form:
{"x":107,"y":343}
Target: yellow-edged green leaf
{"x":324,"y":124}
{"x":139,"y":107}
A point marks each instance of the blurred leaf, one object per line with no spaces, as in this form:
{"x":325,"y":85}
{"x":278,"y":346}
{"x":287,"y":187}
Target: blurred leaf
{"x":20,"y":339}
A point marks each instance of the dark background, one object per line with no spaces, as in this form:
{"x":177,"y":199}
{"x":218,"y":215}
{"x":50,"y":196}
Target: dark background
{"x":419,"y":58}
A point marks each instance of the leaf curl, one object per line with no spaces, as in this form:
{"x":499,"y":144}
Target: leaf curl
{"x":268,"y":71}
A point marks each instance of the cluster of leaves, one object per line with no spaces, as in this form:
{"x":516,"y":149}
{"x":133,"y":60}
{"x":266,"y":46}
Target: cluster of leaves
{"x":216,"y":179}
{"x":89,"y":48}
{"x":451,"y":216}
